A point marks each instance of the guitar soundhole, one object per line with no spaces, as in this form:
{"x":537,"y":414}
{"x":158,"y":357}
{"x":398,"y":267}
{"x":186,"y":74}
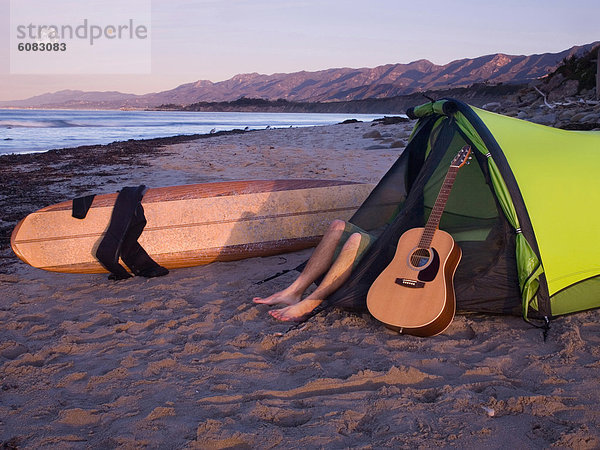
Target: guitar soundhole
{"x":420,"y":258}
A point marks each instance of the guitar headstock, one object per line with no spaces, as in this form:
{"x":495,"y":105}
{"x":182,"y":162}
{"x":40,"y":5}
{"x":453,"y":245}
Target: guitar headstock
{"x":462,"y":157}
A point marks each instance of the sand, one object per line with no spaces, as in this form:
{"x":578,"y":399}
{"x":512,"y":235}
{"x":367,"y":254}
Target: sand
{"x":188,"y":361}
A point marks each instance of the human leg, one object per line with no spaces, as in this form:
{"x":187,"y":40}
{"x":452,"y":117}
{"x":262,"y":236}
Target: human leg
{"x":319,"y":262}
{"x":338,"y":273}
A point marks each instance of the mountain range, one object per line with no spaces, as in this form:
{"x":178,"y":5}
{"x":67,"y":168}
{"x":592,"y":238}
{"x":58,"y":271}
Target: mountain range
{"x":331,"y":85}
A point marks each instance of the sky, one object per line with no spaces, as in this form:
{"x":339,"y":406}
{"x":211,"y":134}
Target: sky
{"x":214,"y":40}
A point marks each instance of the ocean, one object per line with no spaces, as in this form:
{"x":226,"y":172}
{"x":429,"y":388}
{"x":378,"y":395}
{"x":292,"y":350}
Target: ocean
{"x":31,"y":130}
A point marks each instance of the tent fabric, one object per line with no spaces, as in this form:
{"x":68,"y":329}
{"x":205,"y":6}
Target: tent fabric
{"x":524,"y":214}
{"x":556,"y":170}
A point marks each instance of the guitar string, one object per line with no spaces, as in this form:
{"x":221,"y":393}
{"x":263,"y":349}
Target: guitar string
{"x":436,"y":212}
{"x":438,"y":209}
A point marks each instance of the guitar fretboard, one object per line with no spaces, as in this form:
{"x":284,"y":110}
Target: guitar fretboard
{"x":438,"y":208}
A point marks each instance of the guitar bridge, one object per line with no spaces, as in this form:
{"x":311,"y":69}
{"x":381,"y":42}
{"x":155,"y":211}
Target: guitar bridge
{"x":407,"y":282}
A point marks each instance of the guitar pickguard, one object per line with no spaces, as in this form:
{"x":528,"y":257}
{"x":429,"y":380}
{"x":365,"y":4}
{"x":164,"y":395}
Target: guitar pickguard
{"x":430,"y":272}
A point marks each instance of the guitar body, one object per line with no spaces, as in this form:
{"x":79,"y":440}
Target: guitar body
{"x":415,"y":293}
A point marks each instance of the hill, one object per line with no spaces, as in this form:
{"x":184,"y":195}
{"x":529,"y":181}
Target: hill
{"x":331,"y":85}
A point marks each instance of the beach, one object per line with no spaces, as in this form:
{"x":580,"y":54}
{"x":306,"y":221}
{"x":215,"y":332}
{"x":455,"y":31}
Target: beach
{"x":188,"y":361}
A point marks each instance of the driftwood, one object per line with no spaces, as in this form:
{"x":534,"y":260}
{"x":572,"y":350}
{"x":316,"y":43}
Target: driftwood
{"x":567,"y":103}
{"x":544,"y":96}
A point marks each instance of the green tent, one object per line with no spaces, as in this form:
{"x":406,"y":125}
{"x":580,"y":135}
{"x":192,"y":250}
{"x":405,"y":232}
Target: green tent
{"x":526,"y":216}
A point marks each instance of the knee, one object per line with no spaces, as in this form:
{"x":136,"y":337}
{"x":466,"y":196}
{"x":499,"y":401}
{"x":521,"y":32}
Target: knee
{"x":351,"y":245}
{"x":354,"y":240}
{"x":337,"y":225}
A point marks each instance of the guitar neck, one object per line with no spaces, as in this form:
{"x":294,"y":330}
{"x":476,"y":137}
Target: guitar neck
{"x":438,"y":208}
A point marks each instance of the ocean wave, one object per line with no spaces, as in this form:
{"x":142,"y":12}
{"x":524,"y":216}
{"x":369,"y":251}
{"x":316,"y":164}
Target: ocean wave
{"x":55,"y":123}
{"x":34,"y":131}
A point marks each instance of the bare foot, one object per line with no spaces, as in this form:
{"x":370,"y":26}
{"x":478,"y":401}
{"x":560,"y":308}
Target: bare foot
{"x":296,"y":312}
{"x":279,"y":298}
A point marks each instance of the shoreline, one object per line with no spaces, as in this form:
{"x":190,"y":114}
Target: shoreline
{"x":131,"y":144}
{"x":82,"y":128}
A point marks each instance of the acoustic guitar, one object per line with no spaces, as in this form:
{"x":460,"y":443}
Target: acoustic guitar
{"x":415,"y":293}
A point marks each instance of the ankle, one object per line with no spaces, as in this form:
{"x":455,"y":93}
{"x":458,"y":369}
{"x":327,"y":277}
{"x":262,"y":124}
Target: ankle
{"x":294,"y":290}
